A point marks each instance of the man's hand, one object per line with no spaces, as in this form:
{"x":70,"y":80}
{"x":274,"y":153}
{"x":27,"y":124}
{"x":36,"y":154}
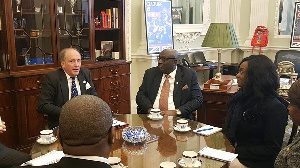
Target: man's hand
{"x":169,"y":112}
{"x":2,"y":127}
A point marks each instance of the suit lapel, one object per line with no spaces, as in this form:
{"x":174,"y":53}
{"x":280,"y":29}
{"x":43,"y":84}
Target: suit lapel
{"x":64,"y":85}
{"x":177,"y":84}
{"x":156,"y":83}
{"x":82,"y":85}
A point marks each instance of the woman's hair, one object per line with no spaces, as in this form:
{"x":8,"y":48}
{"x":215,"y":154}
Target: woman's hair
{"x":294,"y":93}
{"x":261,"y":76}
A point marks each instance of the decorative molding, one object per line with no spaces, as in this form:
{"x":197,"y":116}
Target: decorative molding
{"x":222,"y":11}
{"x":258,"y":17}
{"x":128,"y":29}
{"x":235,"y":17}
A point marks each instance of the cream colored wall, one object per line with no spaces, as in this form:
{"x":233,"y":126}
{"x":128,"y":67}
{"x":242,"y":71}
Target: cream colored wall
{"x":141,"y":61}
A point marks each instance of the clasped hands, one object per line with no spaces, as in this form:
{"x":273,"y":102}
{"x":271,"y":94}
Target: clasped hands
{"x":166,"y":112}
{"x":2,"y":127}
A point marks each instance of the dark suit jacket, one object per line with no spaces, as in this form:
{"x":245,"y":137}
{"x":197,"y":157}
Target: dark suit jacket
{"x":186,"y":100}
{"x":55,"y":93}
{"x":10,"y":157}
{"x":67,"y":162}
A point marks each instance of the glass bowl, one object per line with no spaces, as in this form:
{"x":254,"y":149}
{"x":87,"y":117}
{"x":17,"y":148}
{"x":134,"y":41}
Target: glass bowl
{"x":135,"y":134}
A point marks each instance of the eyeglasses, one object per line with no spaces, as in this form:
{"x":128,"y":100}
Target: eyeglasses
{"x":163,"y":58}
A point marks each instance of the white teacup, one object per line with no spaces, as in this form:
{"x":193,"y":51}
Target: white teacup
{"x":115,"y":162}
{"x":46,"y":135}
{"x":167,"y":165}
{"x":189,"y":158}
{"x":182,"y":124}
{"x":155,"y":113}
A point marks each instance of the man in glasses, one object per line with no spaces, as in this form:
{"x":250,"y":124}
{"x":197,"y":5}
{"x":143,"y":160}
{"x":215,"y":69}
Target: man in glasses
{"x":172,"y":88}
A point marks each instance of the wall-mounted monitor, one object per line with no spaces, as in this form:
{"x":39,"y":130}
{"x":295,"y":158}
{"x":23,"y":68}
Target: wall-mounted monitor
{"x":159,"y":27}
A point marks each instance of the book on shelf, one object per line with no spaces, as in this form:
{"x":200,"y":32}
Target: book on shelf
{"x":207,"y":130}
{"x":217,"y":154}
{"x":106,"y":48}
{"x":116,"y":16}
{"x":112,"y":21}
{"x":107,"y":19}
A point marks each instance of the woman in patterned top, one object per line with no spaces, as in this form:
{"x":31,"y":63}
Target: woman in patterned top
{"x":289,"y":156}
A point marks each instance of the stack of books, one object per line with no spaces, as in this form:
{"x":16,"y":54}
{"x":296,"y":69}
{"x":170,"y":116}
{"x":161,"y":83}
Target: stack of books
{"x":107,"y":19}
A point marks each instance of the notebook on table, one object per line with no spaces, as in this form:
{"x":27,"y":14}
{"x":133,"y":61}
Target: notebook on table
{"x":217,"y":154}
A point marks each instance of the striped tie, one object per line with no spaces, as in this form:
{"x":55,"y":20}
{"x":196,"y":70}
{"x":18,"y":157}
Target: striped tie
{"x":164,"y":96}
{"x":74,"y":91}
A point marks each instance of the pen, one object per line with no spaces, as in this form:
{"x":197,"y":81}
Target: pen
{"x":204,"y":129}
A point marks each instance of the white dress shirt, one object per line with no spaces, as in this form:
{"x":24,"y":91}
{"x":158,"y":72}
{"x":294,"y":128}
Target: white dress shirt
{"x":92,"y":158}
{"x":171,"y":105}
{"x":70,"y":85}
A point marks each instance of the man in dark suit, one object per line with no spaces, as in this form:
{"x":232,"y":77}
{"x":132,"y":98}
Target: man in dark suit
{"x":57,"y":85}
{"x":184,"y":95}
{"x":85,"y":133}
{"x":10,"y":157}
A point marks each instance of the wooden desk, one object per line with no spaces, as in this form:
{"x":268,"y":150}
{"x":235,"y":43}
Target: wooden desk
{"x":166,"y":144}
{"x":214,"y":109}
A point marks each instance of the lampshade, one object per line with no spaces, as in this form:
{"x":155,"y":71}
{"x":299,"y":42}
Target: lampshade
{"x":220,"y":35}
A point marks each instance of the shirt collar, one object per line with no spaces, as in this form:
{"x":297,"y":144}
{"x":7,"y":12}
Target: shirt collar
{"x":68,"y":76}
{"x":173,"y":73}
{"x":92,"y":158}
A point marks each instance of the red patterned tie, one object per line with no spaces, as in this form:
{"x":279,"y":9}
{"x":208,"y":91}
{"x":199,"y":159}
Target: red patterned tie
{"x":163,"y":100}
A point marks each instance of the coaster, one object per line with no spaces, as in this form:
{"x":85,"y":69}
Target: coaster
{"x":40,"y":141}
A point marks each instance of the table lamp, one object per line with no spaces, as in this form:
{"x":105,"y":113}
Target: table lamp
{"x":220,"y":35}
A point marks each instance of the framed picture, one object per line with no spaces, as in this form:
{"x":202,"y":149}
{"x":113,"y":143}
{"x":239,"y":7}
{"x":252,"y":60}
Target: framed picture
{"x":159,"y":27}
{"x":176,"y":15}
{"x":295,"y":36}
{"x":106,"y":48}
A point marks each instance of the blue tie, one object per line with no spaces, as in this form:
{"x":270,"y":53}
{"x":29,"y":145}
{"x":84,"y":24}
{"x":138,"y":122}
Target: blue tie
{"x":74,"y":91}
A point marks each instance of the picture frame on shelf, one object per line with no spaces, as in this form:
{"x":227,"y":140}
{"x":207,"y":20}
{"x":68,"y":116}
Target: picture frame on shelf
{"x":176,"y":15}
{"x":295,"y":35}
{"x":106,"y":48}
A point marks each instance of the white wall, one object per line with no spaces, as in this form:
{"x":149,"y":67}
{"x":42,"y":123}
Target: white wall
{"x":141,"y":61}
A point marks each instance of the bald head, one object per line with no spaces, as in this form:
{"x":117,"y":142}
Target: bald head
{"x":170,"y":53}
{"x":84,"y":120}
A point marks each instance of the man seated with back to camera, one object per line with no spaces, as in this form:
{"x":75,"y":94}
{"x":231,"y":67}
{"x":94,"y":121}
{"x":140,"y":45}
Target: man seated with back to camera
{"x":183,"y":93}
{"x":85,"y":133}
{"x":10,"y":157}
{"x":57,"y":86}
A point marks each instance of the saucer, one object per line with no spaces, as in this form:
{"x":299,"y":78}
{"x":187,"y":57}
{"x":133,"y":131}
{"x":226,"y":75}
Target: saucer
{"x":53,"y":139}
{"x":182,"y":164}
{"x":182,"y":130}
{"x":158,"y":118}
